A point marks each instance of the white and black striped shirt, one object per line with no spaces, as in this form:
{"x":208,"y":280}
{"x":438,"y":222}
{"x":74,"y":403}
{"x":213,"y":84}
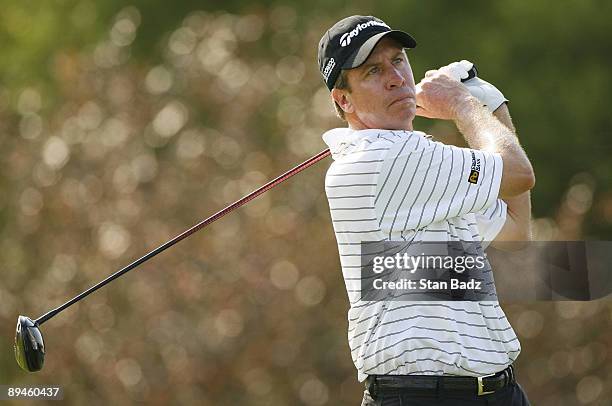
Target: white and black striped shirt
{"x":401,"y":186}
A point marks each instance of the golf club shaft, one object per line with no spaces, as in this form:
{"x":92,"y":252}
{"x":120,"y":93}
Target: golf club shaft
{"x":321,"y":155}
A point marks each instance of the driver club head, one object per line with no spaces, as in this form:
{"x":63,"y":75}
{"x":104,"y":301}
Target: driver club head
{"x":29,"y":345}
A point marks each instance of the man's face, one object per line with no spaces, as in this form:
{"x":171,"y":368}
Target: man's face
{"x":382,"y":91}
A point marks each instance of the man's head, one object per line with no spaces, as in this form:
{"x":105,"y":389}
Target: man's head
{"x":364,"y":65}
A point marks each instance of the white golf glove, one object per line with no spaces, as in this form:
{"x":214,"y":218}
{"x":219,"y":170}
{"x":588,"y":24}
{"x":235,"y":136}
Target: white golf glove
{"x":488,"y":94}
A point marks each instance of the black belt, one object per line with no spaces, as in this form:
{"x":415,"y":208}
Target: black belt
{"x":425,"y":384}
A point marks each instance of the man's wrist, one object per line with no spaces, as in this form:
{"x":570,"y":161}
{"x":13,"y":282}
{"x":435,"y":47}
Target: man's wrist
{"x":466,"y":109}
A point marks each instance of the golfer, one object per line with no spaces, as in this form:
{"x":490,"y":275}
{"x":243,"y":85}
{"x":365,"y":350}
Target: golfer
{"x":389,"y":182}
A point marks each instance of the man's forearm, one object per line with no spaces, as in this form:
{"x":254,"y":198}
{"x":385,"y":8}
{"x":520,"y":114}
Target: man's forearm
{"x":503,"y":115}
{"x":483,"y":131}
{"x":519,"y":207}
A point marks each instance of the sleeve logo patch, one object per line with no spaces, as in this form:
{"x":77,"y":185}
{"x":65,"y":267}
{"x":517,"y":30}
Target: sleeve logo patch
{"x":475,"y":172}
{"x":474,"y":177}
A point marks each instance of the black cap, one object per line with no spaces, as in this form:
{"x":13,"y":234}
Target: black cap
{"x":350,"y":42}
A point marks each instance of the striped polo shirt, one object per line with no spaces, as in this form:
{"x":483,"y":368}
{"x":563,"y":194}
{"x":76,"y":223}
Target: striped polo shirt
{"x":402,"y":186}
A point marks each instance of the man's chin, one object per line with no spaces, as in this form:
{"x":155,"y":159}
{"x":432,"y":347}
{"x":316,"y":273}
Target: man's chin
{"x":408,"y":114}
{"x":398,"y":119}
{"x":411,"y":113}
{"x":403,"y":122}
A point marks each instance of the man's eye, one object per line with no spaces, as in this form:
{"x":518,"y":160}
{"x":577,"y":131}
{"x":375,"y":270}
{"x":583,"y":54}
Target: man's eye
{"x":373,"y":70}
{"x":398,"y":60}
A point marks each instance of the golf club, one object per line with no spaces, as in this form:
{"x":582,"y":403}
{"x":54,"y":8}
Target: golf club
{"x":29,"y":345}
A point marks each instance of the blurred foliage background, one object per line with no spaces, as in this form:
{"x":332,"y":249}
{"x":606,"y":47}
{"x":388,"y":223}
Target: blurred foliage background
{"x":124,"y":123}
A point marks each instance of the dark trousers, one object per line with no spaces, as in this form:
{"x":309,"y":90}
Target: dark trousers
{"x":511,"y":395}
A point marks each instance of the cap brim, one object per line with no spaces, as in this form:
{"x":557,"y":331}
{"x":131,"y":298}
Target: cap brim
{"x":364,"y":51}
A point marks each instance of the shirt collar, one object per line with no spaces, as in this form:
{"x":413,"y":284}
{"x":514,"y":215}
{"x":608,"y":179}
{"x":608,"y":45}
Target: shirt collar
{"x":343,"y":140}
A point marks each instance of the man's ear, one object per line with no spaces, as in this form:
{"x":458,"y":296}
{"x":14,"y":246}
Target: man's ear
{"x":341,"y":97}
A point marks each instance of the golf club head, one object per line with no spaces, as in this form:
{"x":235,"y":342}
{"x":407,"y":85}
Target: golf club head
{"x":29,"y":345}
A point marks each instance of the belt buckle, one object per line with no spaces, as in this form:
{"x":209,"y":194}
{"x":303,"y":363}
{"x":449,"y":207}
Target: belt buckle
{"x":481,"y":390}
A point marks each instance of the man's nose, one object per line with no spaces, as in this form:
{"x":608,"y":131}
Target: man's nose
{"x":395,"y":78}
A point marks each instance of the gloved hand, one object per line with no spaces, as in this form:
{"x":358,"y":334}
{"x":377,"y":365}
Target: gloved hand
{"x":465,"y":71}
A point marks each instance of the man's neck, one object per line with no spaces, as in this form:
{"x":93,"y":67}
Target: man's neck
{"x":358,"y":128}
{"x":355,"y":124}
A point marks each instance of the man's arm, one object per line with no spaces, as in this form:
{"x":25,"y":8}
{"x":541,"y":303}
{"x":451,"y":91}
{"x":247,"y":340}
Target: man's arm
{"x":518,"y":222}
{"x":439,"y":96}
{"x":483,"y":131}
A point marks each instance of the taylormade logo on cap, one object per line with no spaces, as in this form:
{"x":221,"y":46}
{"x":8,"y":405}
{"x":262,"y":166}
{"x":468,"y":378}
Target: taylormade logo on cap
{"x":345,"y":39}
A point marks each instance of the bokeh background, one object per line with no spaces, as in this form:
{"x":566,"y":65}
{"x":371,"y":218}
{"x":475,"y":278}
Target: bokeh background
{"x":124,"y":123}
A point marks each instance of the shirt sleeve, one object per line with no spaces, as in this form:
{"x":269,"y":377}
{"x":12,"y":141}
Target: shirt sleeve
{"x":491,"y":220}
{"x":425,"y":182}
